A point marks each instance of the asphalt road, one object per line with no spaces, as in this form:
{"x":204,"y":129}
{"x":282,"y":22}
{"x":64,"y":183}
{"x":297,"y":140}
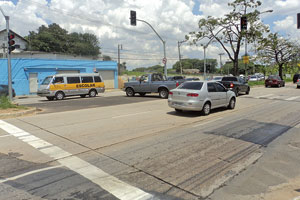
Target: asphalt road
{"x":77,"y":103}
{"x":145,"y":150}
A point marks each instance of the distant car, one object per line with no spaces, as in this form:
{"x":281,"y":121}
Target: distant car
{"x":274,"y":80}
{"x":192,"y":79}
{"x":217,"y":78}
{"x":253,"y":78}
{"x":201,"y":96}
{"x":296,"y":78}
{"x":4,"y":91}
{"x":235,"y":84}
{"x":298,"y":83}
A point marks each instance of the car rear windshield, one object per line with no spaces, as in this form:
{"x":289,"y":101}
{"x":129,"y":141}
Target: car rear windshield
{"x":229,"y":79}
{"x":191,"y":86}
{"x":272,"y":77}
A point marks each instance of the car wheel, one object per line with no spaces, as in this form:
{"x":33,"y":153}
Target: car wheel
{"x":142,"y":94}
{"x":231,"y":104}
{"x":279,"y":85}
{"x":206,"y":109}
{"x":130,"y":92}
{"x":59,"y":96}
{"x":248,"y":90}
{"x":50,"y":98}
{"x":92,"y":93}
{"x":82,"y":96}
{"x":163,"y":93}
{"x":178,"y":110}
{"x":298,"y":86}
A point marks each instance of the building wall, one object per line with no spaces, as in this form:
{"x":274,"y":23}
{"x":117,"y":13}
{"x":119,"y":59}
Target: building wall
{"x":46,"y":67}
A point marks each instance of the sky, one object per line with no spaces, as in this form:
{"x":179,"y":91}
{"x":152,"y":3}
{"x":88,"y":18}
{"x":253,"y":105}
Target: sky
{"x":172,"y":19}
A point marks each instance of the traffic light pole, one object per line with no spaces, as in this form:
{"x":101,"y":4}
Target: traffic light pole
{"x":8,"y":59}
{"x":164,"y":45}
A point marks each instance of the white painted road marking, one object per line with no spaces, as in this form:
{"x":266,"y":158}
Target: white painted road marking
{"x":264,"y":96}
{"x":109,"y":183}
{"x":207,"y":122}
{"x":29,"y":173}
{"x":4,"y":136}
{"x":292,"y":98}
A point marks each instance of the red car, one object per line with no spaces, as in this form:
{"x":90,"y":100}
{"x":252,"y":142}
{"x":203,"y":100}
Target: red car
{"x":274,"y":80}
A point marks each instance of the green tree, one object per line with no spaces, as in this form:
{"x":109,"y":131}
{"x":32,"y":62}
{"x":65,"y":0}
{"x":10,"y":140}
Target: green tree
{"x":226,"y":31}
{"x":211,"y":65}
{"x":56,"y":39}
{"x":276,"y":49}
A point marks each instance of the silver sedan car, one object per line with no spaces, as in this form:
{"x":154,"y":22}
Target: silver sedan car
{"x":201,"y":96}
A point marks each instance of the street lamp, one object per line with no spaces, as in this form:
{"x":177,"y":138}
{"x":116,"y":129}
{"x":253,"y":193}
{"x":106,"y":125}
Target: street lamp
{"x":179,"y":54}
{"x":8,"y":58}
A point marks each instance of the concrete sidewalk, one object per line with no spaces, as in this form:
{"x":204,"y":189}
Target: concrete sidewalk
{"x":275,"y":176}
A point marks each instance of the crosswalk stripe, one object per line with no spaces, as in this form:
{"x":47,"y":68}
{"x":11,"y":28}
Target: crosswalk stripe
{"x":109,"y":183}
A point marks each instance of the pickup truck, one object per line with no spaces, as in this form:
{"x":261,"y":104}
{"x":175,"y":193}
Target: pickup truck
{"x":235,"y":84}
{"x":150,"y":83}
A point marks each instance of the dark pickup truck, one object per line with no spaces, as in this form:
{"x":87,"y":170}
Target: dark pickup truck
{"x":237,"y":85}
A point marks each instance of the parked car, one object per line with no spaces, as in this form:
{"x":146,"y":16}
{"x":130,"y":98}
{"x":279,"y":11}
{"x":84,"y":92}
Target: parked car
{"x":217,"y":78}
{"x":296,"y":77}
{"x":298,"y":83}
{"x":192,"y":79}
{"x":253,"y":78}
{"x":236,"y":84}
{"x":4,"y":91}
{"x":201,"y":96}
{"x":274,"y":80}
{"x":150,"y":83}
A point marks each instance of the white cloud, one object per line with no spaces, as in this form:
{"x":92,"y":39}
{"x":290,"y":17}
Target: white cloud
{"x":109,"y":21}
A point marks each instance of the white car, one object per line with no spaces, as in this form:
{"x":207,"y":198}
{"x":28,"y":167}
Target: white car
{"x":253,"y":78}
{"x":201,"y":96}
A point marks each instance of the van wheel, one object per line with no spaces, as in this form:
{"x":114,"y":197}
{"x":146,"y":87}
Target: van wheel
{"x":130,"y":92}
{"x":83,"y":95}
{"x":231,"y":104}
{"x":206,"y":109}
{"x":92,"y":93}
{"x":163,"y":93}
{"x":50,"y":98}
{"x":59,"y":96}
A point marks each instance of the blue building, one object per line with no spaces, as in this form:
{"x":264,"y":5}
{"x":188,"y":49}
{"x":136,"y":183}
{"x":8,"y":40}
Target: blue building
{"x":27,"y":74}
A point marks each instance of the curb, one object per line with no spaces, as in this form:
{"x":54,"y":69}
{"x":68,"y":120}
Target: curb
{"x":18,"y":114}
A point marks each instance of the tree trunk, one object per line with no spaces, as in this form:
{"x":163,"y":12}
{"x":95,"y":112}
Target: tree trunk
{"x":280,"y":70}
{"x":236,"y":67}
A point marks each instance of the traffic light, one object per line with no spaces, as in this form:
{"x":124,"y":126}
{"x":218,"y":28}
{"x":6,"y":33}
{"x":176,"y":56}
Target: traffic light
{"x":244,"y":23}
{"x":298,"y":20}
{"x":133,"y":18}
{"x":11,"y":42}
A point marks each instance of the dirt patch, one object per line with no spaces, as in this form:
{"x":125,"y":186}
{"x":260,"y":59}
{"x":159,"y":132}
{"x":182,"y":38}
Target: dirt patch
{"x":288,"y":191}
{"x":12,"y":110}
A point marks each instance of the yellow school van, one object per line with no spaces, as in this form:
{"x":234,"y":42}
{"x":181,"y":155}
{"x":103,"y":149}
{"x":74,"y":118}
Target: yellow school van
{"x":60,"y":86}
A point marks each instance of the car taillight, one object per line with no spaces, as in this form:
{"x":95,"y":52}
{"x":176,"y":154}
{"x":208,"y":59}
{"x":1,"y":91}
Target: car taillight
{"x":177,"y":84}
{"x":298,"y":80}
{"x":231,"y":85}
{"x":170,"y":93}
{"x":192,"y":95}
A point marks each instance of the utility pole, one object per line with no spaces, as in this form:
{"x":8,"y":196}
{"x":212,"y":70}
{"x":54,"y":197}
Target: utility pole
{"x":221,"y":54}
{"x":179,"y":54}
{"x":120,"y":47}
{"x":8,"y":58}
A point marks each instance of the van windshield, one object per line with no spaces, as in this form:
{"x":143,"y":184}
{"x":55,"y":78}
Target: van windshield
{"x":47,"y":80}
